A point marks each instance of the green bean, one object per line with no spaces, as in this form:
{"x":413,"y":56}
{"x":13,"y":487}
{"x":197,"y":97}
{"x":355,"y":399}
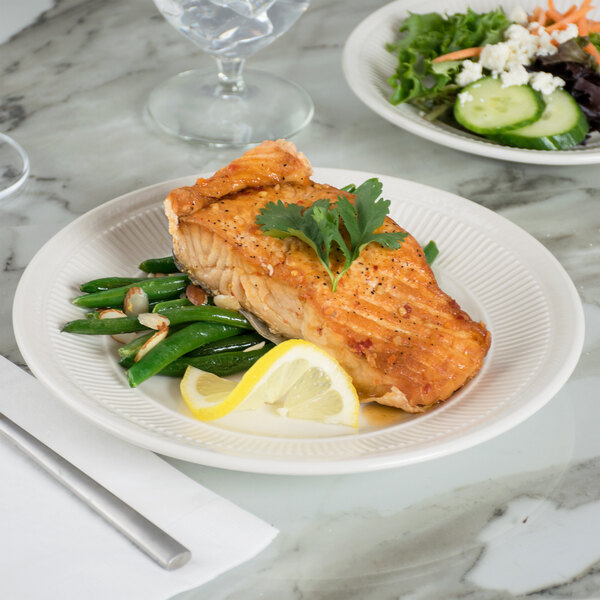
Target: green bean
{"x":232,"y":344}
{"x":210,"y":314}
{"x":159,"y":265}
{"x":179,"y":343}
{"x":170,"y":303}
{"x":431,"y":251}
{"x":104,"y":326}
{"x":227,"y":363}
{"x":157,"y":288}
{"x":127,"y":352}
{"x":108,"y":283}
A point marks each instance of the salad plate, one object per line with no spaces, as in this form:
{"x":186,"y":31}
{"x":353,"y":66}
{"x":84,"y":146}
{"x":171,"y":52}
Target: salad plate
{"x":496,"y":271}
{"x":367,"y":66}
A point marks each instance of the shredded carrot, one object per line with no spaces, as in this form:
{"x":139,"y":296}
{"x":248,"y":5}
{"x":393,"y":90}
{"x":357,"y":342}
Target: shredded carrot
{"x":591,"y":49}
{"x":459,"y":54}
{"x":572,"y":18}
{"x":538,"y":11}
{"x":550,"y":20}
{"x":551,"y":13}
{"x":554,"y":14}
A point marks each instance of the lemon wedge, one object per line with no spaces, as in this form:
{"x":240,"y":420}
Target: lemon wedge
{"x":299,"y":379}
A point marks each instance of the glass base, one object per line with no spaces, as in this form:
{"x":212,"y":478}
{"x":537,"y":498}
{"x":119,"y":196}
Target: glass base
{"x":14,"y":166}
{"x":189,"y":106}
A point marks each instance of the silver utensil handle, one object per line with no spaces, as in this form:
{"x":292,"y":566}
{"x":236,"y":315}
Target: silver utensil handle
{"x":156,"y":543}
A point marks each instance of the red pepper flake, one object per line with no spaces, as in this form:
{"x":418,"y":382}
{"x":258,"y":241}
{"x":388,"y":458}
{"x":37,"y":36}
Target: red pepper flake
{"x":360,"y":347}
{"x":426,"y":388}
{"x":454,"y":305}
{"x":408,"y":309}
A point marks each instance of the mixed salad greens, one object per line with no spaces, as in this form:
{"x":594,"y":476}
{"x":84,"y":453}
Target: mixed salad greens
{"x":525,"y":80}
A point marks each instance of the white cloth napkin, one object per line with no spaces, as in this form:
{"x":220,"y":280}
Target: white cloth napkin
{"x":53,"y":546}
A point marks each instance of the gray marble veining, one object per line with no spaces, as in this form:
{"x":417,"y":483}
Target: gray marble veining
{"x":517,"y":517}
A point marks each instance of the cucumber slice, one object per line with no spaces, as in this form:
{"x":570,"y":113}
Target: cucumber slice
{"x":561,"y":126}
{"x":486,"y":107}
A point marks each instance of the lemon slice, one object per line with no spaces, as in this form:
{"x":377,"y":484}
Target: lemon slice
{"x":298,"y":378}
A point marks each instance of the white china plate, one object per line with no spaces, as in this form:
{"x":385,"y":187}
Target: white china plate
{"x":496,"y":271}
{"x":367,"y":66}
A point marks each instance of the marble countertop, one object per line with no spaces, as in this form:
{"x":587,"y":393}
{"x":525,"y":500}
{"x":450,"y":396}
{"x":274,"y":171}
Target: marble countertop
{"x":515,"y":517}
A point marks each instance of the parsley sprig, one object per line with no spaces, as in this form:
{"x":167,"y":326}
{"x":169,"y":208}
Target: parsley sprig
{"x":325,"y":225}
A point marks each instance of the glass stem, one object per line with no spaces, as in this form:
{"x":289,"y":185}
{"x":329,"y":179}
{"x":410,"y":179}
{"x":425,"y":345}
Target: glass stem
{"x":231,"y":82}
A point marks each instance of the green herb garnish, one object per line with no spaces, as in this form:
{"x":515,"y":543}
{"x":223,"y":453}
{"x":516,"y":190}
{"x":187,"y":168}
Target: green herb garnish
{"x":325,"y":225}
{"x":431,"y":251}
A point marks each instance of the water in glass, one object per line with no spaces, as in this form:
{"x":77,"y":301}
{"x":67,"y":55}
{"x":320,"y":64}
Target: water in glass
{"x":232,"y":28}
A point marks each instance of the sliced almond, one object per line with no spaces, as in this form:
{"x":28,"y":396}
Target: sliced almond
{"x":115,"y":313}
{"x":136,"y":302}
{"x":258,"y":346}
{"x":153,"y":320}
{"x":158,"y":337}
{"x":111,"y":313}
{"x":124,"y":338}
{"x":228,"y":302}
{"x":196,"y":295}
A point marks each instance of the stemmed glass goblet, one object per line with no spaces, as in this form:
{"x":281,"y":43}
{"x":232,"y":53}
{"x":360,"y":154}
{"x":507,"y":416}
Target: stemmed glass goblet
{"x":230,"y":106}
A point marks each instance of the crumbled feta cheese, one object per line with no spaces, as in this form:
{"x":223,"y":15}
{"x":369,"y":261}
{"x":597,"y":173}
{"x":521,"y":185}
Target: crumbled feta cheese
{"x":516,"y":75}
{"x":545,"y":83}
{"x":572,"y":31}
{"x":508,"y":59}
{"x":517,"y":33}
{"x":465,"y":97}
{"x":523,"y":46}
{"x":519,"y":48}
{"x":494,"y":57}
{"x":471,"y":71}
{"x":518,"y":15}
{"x":546,"y":47}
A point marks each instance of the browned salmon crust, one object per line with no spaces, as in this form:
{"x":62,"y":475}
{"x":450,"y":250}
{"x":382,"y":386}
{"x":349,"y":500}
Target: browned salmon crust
{"x":404,"y":342}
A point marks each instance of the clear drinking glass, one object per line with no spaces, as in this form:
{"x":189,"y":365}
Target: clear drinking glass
{"x":14,"y":166}
{"x":228,"y":106}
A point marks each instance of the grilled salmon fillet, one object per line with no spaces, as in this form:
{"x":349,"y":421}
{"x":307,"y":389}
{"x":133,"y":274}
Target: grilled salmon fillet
{"x":404,"y":342}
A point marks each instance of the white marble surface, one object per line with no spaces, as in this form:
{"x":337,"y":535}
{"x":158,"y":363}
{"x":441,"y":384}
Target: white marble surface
{"x":517,"y":517}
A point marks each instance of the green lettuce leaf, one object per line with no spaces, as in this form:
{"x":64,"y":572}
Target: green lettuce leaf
{"x":425,"y":37}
